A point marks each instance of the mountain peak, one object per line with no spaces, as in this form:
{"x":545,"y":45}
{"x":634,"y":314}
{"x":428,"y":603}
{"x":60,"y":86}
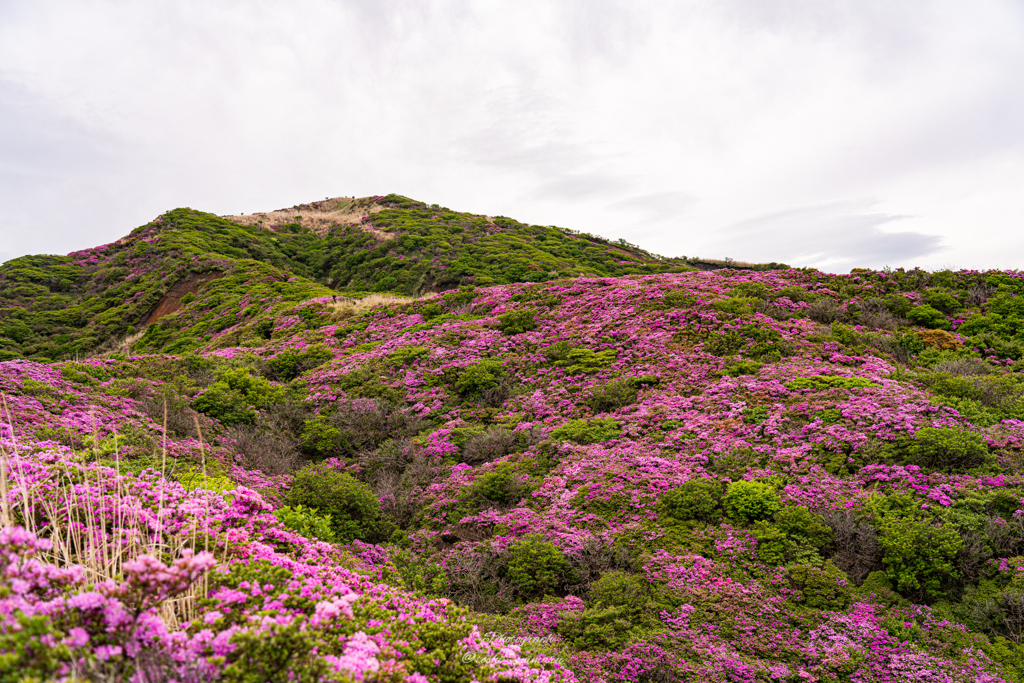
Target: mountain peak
{"x":317,"y":217}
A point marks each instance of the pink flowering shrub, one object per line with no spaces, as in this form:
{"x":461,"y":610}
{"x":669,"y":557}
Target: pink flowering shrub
{"x":717,"y":475}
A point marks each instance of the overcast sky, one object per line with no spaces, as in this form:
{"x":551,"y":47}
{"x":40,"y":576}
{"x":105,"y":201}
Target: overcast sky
{"x":812,"y":132}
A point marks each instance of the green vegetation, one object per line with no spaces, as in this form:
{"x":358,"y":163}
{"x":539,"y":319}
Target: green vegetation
{"x":350,"y":505}
{"x":236,"y":396}
{"x":537,"y":567}
{"x":57,"y":307}
{"x":695,"y":499}
{"x":741,"y":457}
{"x":307,"y":522}
{"x":822,"y":382}
{"x":748,"y":501}
{"x":587,"y":431}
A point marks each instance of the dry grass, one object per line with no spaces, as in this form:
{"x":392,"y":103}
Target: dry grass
{"x":319,"y":217}
{"x":358,"y":306}
{"x":128,"y":342}
{"x":81,"y":537}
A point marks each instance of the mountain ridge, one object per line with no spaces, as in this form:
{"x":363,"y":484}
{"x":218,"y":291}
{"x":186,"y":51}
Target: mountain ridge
{"x":374,"y":244}
{"x":625,"y":473}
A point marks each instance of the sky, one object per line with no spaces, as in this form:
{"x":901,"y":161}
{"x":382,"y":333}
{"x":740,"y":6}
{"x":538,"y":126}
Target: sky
{"x":823,"y":133}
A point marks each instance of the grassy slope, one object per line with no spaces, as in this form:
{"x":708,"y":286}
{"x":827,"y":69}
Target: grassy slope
{"x":54,"y":307}
{"x":535,"y":441}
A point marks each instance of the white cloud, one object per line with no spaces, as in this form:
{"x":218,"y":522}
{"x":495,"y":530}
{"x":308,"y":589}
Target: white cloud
{"x":836,"y":236}
{"x":669,"y":124}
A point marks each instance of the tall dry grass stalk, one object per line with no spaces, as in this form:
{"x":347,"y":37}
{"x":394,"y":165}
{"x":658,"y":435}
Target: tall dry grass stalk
{"x":78,"y":528}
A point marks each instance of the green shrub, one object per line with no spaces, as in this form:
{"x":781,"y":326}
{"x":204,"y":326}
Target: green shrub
{"x":475,"y":379}
{"x":431,"y":310}
{"x":16,"y":330}
{"x":755,"y":415}
{"x":343,"y":332}
{"x":679,"y":299}
{"x":502,"y":485}
{"x":596,"y":430}
{"x":754,"y":341}
{"x":734,"y":464}
{"x":773,"y":545}
{"x":75,"y":371}
{"x":558,"y":352}
{"x":623,"y":608}
{"x":461,"y":296}
{"x":313,"y":316}
{"x":369,"y":381}
{"x":797,"y":522}
{"x":517,"y":322}
{"x":612,"y":396}
{"x":946,"y":449}
{"x":265,"y":328}
{"x":926,"y":316}
{"x":821,"y":382}
{"x":877,"y":588}
{"x":826,"y":588}
{"x":406,"y":355}
{"x":843,"y":333}
{"x":741,"y":367}
{"x":736,"y":305}
{"x":236,"y":396}
{"x":756,"y":290}
{"x":620,"y":589}
{"x":289,"y":364}
{"x":352,"y":506}
{"x":794,"y":535}
{"x":695,"y":499}
{"x":320,"y":438}
{"x":598,"y":628}
{"x":747,"y":501}
{"x":587,"y":361}
{"x":413,"y":571}
{"x":306,"y":522}
{"x":918,"y":554}
{"x":942,"y":299}
{"x":537,"y":567}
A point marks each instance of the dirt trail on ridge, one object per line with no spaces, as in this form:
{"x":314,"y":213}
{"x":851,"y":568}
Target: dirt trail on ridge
{"x":319,"y":217}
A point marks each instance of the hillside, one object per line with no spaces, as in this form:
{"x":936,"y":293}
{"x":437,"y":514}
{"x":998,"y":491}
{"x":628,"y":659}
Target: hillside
{"x":62,"y":307}
{"x":578,"y":469}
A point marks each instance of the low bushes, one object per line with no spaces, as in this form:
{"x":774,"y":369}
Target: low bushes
{"x":355,"y":428}
{"x":612,"y":396}
{"x":696,"y":499}
{"x":946,"y":449}
{"x":289,"y":364}
{"x":748,"y":501}
{"x":517,"y":322}
{"x":821,"y":588}
{"x":822,"y":382}
{"x":236,"y":396}
{"x":918,"y":553}
{"x":353,"y":509}
{"x":794,"y":534}
{"x":536,"y":567}
{"x":489,"y":445}
{"x":306,"y":522}
{"x":596,"y":430}
{"x":476,"y":379}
